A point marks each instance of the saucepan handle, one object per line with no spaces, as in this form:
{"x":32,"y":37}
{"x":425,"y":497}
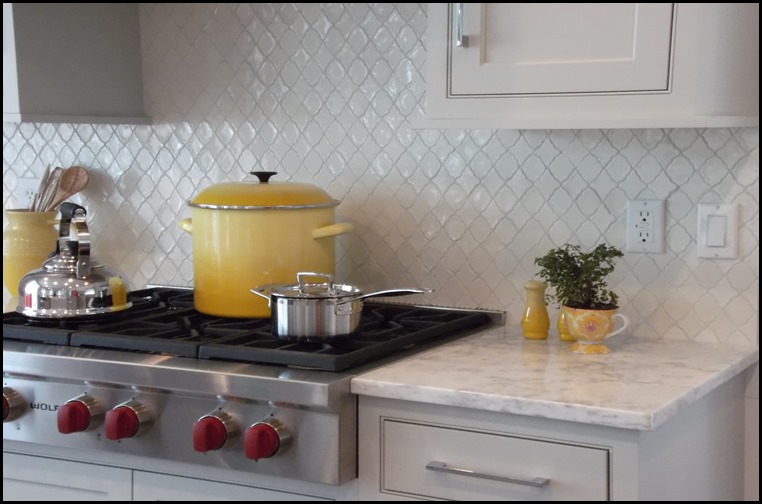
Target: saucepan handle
{"x":263,"y":291}
{"x":387,"y":293}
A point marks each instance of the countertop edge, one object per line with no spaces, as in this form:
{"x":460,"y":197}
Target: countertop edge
{"x":701,"y":390}
{"x":550,"y":409}
{"x":503,"y":404}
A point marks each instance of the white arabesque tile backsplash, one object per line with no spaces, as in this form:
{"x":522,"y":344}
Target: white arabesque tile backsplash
{"x":324,"y":93}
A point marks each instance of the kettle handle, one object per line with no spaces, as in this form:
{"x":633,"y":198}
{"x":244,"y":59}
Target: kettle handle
{"x":68,"y":209}
{"x":73,"y":229}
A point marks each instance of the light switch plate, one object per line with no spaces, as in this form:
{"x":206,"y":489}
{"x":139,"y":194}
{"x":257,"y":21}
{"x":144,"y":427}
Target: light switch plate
{"x":717,"y":236}
{"x":645,"y":226}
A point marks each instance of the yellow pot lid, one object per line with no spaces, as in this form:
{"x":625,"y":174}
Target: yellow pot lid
{"x":262,"y":194}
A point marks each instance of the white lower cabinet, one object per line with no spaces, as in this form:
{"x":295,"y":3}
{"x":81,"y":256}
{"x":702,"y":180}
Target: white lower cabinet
{"x":457,"y":463}
{"x":419,"y":451}
{"x":30,"y":478}
{"x":38,"y":478}
{"x":163,"y":487}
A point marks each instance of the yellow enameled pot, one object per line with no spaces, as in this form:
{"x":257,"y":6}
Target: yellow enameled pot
{"x":247,"y":234}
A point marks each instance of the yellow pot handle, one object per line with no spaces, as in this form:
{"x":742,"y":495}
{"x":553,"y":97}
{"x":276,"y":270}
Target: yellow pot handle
{"x":186,"y":225}
{"x":333,"y":230}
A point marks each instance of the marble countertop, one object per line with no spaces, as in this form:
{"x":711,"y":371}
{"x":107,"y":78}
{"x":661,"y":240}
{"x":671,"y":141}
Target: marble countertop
{"x":638,"y":386}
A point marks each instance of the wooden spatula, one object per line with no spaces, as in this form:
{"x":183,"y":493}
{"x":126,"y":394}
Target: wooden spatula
{"x":73,"y":180}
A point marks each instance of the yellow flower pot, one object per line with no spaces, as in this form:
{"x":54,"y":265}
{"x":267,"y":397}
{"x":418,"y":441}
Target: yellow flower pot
{"x":591,"y":327}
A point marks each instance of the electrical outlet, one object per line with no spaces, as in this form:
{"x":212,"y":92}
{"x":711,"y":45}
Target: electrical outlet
{"x":26,"y":188}
{"x":645,"y":226}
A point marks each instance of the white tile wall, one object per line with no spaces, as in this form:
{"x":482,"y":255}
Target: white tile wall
{"x":323,"y":93}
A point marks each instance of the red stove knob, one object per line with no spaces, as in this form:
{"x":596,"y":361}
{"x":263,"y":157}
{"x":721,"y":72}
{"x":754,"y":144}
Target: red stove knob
{"x":13,"y":404}
{"x":264,"y":439}
{"x":126,"y":420}
{"x":212,"y":431}
{"x":79,"y":414}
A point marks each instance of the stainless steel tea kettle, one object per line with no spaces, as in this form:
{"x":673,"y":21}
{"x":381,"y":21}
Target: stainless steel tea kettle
{"x":71,"y":283}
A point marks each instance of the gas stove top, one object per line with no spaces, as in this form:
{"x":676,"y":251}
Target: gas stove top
{"x":163,"y":383}
{"x":163,"y":321}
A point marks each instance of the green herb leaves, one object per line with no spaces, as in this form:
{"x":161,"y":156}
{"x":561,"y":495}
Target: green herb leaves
{"x":578,"y":278}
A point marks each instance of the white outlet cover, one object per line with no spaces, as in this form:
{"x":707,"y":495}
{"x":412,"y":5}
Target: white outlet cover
{"x":645,"y":226}
{"x":24,"y":188}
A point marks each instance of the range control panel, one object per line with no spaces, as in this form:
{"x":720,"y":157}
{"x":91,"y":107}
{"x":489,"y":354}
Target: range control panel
{"x":209,"y":430}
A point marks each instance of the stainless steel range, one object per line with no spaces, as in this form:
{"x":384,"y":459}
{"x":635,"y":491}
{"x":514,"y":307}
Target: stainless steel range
{"x":163,"y":381}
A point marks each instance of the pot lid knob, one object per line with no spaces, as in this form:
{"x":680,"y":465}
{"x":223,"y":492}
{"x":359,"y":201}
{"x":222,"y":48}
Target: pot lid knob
{"x":263,"y":194}
{"x":263,"y":176}
{"x":325,"y":287}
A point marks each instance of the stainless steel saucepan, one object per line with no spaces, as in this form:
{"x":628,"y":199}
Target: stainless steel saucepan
{"x":319,"y":311}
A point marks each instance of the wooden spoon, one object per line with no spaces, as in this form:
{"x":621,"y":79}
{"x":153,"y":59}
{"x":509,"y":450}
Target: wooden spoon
{"x":73,"y":180}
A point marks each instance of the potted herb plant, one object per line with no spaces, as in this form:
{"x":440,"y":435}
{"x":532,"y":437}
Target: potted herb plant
{"x":579,"y":287}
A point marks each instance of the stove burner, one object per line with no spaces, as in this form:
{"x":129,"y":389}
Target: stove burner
{"x":164,"y":321}
{"x":58,"y":331}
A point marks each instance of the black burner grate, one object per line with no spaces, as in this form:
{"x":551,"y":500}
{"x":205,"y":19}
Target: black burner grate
{"x":164,"y":321}
{"x":58,"y":332}
{"x":384,"y":330}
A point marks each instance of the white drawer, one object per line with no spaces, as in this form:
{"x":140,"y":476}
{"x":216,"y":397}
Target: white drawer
{"x":574,"y":472}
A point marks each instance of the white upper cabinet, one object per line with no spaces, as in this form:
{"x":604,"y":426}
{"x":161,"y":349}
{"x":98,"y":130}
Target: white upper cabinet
{"x":525,"y":49}
{"x":552,"y":65}
{"x":72,"y":63}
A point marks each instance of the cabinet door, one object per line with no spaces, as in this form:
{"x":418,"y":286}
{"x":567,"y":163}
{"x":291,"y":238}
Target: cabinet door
{"x":554,"y":48}
{"x":44,"y":479}
{"x":10,"y":82}
{"x":577,"y":65}
{"x":153,"y":486}
{"x":72,"y":63}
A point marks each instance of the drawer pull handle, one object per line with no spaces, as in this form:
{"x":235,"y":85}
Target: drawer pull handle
{"x":437,"y":466}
